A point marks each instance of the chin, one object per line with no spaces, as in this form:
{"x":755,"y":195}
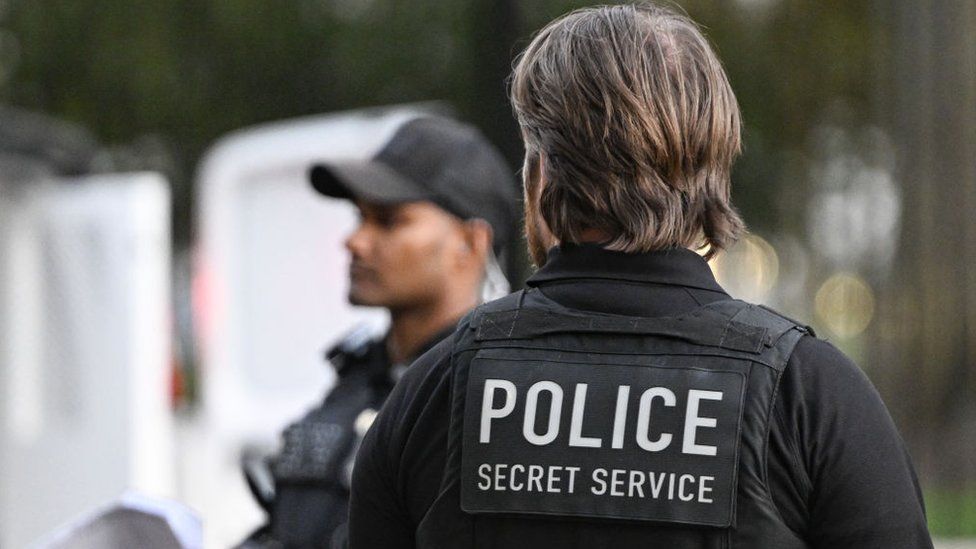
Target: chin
{"x":357,"y":298}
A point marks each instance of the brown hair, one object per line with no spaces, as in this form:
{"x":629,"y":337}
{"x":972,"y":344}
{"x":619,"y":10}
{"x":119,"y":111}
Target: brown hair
{"x":637,"y":123}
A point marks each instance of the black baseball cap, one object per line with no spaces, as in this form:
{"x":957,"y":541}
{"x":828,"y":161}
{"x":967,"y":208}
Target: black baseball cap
{"x":435,"y":159}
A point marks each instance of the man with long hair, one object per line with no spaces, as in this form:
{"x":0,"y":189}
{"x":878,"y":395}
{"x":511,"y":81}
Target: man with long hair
{"x":624,"y":399}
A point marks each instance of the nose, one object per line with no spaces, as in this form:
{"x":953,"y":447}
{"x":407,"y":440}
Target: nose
{"x":358,"y":241}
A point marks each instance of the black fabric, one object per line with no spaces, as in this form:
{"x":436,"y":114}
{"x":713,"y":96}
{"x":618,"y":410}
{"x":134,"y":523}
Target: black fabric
{"x":504,"y":472}
{"x":369,"y":181}
{"x":310,"y":506}
{"x":837,"y":471}
{"x":731,"y":507}
{"x":694,"y":327}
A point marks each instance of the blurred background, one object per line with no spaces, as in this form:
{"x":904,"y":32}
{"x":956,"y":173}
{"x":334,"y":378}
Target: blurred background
{"x":168,"y":283}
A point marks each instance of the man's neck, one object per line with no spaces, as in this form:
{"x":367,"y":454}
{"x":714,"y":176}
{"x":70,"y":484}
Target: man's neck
{"x":590,"y":235}
{"x":411,"y":328}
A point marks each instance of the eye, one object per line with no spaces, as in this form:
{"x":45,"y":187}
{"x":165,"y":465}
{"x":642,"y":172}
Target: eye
{"x":386,"y":220}
{"x":383,"y":217}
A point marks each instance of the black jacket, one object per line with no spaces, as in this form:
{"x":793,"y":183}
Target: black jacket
{"x":836,"y":468}
{"x":312,"y":472}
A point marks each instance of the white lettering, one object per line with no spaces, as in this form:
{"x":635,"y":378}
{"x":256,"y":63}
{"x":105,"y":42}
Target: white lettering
{"x":535,"y":477}
{"x":532,"y":402}
{"x":599,"y":476}
{"x":630,"y":483}
{"x":487,"y":412}
{"x":553,"y":477}
{"x":702,"y":489}
{"x":576,"y":437}
{"x":644,"y":419}
{"x":572,"y":477}
{"x":483,"y":471}
{"x":636,"y":484}
{"x":693,"y":421}
{"x":656,"y":485}
{"x":511,"y":478}
{"x":615,"y":481}
{"x":685,"y":496}
{"x":620,"y":416}
{"x":500,"y":476}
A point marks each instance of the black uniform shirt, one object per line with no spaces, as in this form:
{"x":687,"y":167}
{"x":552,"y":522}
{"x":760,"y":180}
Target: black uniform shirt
{"x":310,"y":506}
{"x":837,"y":468}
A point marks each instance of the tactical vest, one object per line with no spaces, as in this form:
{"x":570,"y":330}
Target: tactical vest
{"x":307,"y":502}
{"x":580,"y":429}
{"x":319,"y":449}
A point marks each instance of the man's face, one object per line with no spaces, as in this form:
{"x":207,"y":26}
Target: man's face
{"x":400,"y":254}
{"x":537,"y":234}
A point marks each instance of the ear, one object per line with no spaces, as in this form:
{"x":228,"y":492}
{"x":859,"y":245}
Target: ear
{"x":476,"y":239}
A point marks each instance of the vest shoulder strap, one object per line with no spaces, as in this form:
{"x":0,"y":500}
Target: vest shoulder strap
{"x":784,"y":333}
{"x":732,"y":325}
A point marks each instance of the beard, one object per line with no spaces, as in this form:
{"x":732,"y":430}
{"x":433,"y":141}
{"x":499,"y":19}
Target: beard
{"x":534,"y":237}
{"x":537,"y":235}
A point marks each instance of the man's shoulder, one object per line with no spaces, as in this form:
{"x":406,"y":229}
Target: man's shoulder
{"x":427,"y":379}
{"x":823,"y":385}
{"x":758,"y":314}
{"x":819,"y":362}
{"x":430,"y":372}
{"x":359,"y":347}
{"x":812,"y":354}
{"x":424,"y":385}
{"x":434,"y":363}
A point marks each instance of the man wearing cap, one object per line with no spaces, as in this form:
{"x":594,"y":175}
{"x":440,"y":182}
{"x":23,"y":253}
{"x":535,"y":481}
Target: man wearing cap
{"x":436,"y":205}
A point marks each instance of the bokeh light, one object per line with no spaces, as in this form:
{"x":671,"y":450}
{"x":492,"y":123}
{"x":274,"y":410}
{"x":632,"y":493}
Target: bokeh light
{"x":845,"y":305}
{"x":748,"y":270}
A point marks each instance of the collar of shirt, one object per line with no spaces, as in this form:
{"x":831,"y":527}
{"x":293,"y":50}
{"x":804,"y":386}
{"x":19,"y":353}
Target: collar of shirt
{"x":396,"y":371}
{"x":675,"y":266}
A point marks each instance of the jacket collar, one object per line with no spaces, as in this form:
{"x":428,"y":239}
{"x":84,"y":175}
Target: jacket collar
{"x":675,"y":266}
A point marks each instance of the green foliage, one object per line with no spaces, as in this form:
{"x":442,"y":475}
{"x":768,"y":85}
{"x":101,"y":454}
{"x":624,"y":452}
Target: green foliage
{"x":188,"y":71}
{"x":952,"y":513}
